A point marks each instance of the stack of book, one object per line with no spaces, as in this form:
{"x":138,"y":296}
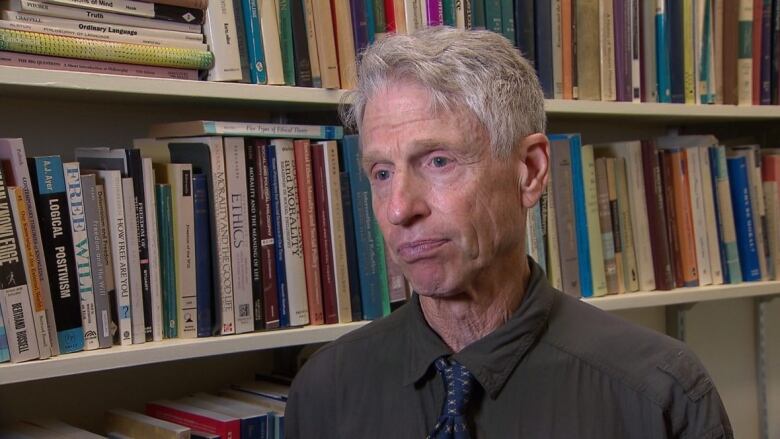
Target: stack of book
{"x":657,"y":214}
{"x":162,"y":39}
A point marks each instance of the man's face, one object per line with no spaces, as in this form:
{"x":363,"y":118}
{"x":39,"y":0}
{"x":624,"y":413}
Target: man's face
{"x":450,"y":212}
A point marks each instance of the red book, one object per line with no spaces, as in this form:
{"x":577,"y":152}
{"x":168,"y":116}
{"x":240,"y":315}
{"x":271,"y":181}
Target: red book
{"x":389,"y":16}
{"x":325,"y":244}
{"x":311,"y":258}
{"x":267,"y":252}
{"x":195,"y":418}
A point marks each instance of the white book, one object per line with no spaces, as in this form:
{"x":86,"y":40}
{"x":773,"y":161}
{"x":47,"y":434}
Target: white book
{"x":269,"y":25}
{"x":553,"y":255}
{"x":636,"y":65}
{"x":105,"y":28}
{"x":607,"y":48}
{"x":103,"y":240}
{"x":557,"y":50}
{"x":180,"y":178}
{"x":699,"y":221}
{"x":117,"y":231}
{"x":49,"y":29}
{"x":413,"y":18}
{"x":12,"y":150}
{"x":15,"y":306}
{"x":240,"y":253}
{"x":219,"y":28}
{"x":745,"y":65}
{"x":460,"y":15}
{"x":337,"y":234}
{"x":423,"y":8}
{"x":40,"y":8}
{"x":708,"y":195}
{"x":134,"y":262}
{"x":155,"y":286}
{"x":630,"y":272}
{"x":631,"y":151}
{"x":78,"y":227}
{"x":298,"y":304}
{"x":129,"y":7}
{"x":649,"y":60}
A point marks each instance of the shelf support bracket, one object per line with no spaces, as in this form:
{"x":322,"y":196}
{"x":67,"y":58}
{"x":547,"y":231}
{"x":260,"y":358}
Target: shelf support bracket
{"x":761,"y":304}
{"x":676,"y":317}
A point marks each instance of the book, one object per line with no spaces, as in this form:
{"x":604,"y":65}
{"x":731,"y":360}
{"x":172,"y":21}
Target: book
{"x":203,"y":254}
{"x":41,"y":44}
{"x":253,"y":420}
{"x":311,"y":41}
{"x":562,"y":193}
{"x":605,"y":225}
{"x":196,"y":418}
{"x":14,"y":159}
{"x":156,"y":11}
{"x":245,"y":129}
{"x":269,"y":26}
{"x":266,"y":236}
{"x":15,"y":307}
{"x":103,"y":240}
{"x":323,"y":235}
{"x":137,"y":302}
{"x":258,"y":73}
{"x":727,"y":236}
{"x":327,"y":44}
{"x":630,"y":271}
{"x":591,"y":213}
{"x":48,"y":185}
{"x":345,"y":43}
{"x":219,"y":28}
{"x":132,"y":424}
{"x":167,"y":260}
{"x":275,"y":209}
{"x":253,"y":211}
{"x":350,"y":246}
{"x":152,"y":244}
{"x":663,"y":268}
{"x":743,"y":218}
{"x":286,"y":41}
{"x":753,"y":161}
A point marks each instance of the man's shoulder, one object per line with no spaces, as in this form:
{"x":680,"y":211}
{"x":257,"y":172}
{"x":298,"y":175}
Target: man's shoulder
{"x":647,"y":362}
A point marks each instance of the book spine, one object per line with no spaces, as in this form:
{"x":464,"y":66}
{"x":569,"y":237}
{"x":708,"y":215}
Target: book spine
{"x":710,"y":216}
{"x":595,"y":245}
{"x":81,"y":251}
{"x":286,"y":41}
{"x":605,"y":226}
{"x":635,"y":52}
{"x":656,"y":215}
{"x":168,"y":274}
{"x":269,"y":28}
{"x":696,"y":192}
{"x":199,"y":422}
{"x":766,"y":53}
{"x":662,"y":52}
{"x":345,"y":42}
{"x":254,"y":43}
{"x":291,"y":233}
{"x":241,"y":40}
{"x":303,"y":72}
{"x":180,"y":178}
{"x":580,"y":217}
{"x":337,"y":213}
{"x":5,"y":352}
{"x":153,"y":250}
{"x":565,"y":223}
{"x":219,"y":28}
{"x":671,"y":223}
{"x":203,"y":254}
{"x":311,"y":41}
{"x":368,"y":6}
{"x":619,"y":24}
{"x":567,"y":46}
{"x":587,"y":63}
{"x":524,"y":28}
{"x":380,"y":21}
{"x":743,"y":218}
{"x":544,"y":50}
{"x":684,"y":217}
{"x":617,"y":231}
{"x":689,"y":52}
{"x":557,"y":50}
{"x":350,"y":247}
{"x":324,"y":241}
{"x":140,"y":9}
{"x":133,"y":262}
{"x":492,"y":15}
{"x":630,"y":270}
{"x":279,"y":253}
{"x":326,"y":45}
{"x":732,"y":273}
{"x":267,"y":242}
{"x":649,"y":60}
{"x":240,"y":253}
{"x":413,"y":20}
{"x":382,"y":277}
{"x":13,"y":151}
{"x":15,"y":306}
{"x":252,"y":191}
{"x":101,"y":239}
{"x":80,"y":65}
{"x":48,"y":29}
{"x":49,"y":186}
{"x":41,"y":44}
{"x":305,"y":183}
{"x":391,"y":24}
{"x":745,"y":53}
{"x":78,"y":13}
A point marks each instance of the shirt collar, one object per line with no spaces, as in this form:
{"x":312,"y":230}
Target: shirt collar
{"x":492,"y":358}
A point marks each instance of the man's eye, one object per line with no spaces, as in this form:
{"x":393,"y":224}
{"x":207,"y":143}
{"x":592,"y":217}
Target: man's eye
{"x":440,"y":162}
{"x":381,"y":175}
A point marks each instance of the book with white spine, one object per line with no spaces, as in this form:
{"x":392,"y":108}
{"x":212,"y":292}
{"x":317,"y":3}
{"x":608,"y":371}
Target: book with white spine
{"x":117,"y":227}
{"x":716,"y":268}
{"x":103,"y":240}
{"x":105,"y":28}
{"x":12,"y":151}
{"x":221,"y":36}
{"x":40,"y":8}
{"x":91,"y":35}
{"x":15,"y":306}
{"x":291,"y":232}
{"x":235,"y":173}
{"x":158,"y":11}
{"x":134,"y":262}
{"x":155,"y":285}
{"x":78,"y":227}
{"x":269,"y":25}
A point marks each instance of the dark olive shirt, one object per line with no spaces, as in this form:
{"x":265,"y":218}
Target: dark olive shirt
{"x":558,"y":368}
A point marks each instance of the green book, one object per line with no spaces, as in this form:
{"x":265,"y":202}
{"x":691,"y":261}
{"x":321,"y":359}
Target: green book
{"x":493,"y":16}
{"x":286,"y":41}
{"x":478,"y":14}
{"x":448,"y":7}
{"x":380,"y":21}
{"x":167,"y":268}
{"x":508,"y":20}
{"x":379,"y":247}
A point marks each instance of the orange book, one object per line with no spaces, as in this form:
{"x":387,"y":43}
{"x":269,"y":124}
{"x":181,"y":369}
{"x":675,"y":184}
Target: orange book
{"x":311,"y":258}
{"x":566,"y":46}
{"x":345,"y":43}
{"x":684,"y":217}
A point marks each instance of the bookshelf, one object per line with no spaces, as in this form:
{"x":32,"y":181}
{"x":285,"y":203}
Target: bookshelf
{"x":57,"y":111}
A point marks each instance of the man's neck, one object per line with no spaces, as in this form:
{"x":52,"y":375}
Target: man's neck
{"x":470,"y":316}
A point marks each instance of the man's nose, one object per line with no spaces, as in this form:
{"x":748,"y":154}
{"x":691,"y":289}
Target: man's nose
{"x":407,"y":199}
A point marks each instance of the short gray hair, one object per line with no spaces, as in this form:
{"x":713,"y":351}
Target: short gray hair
{"x":478,"y":70}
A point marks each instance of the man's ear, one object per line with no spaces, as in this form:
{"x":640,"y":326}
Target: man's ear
{"x":533,"y":167}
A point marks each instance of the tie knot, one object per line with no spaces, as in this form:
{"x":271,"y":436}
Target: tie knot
{"x":458,"y":385}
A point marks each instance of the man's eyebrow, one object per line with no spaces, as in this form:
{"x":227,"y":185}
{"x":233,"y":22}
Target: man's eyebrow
{"x":418,"y":148}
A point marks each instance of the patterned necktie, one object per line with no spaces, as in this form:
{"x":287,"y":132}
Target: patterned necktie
{"x":458,"y":384}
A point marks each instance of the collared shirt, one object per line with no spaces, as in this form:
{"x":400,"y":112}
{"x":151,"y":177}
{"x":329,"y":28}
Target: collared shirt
{"x":558,"y":368}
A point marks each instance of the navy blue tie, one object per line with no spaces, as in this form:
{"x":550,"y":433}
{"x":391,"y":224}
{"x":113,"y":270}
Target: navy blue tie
{"x":458,"y":384}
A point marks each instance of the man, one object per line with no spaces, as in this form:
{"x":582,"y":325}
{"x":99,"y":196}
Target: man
{"x":452,"y":127}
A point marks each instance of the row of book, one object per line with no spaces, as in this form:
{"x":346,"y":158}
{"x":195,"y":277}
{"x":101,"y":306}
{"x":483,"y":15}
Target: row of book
{"x":205,"y":228}
{"x":670,"y":212}
{"x":161,"y":39}
{"x":250,"y":410}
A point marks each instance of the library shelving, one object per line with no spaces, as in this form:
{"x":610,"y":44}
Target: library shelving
{"x":57,"y":111}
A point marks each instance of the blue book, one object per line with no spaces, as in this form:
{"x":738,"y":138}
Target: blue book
{"x":662,"y":53}
{"x":276,"y":220}
{"x":370,"y":22}
{"x":254,"y":43}
{"x":167,"y":264}
{"x":359,"y":24}
{"x":371,"y":289}
{"x":349,"y":240}
{"x":715,"y":172}
{"x":203,"y":290}
{"x":674,"y":12}
{"x":580,"y":215}
{"x":743,"y":218}
{"x":51,"y":202}
{"x":544,"y":52}
{"x":5,"y":353}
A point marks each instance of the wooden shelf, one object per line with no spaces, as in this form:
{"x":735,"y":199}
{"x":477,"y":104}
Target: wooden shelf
{"x":685,"y":295}
{"x":52,"y":84}
{"x":168,"y":350}
{"x":180,"y":349}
